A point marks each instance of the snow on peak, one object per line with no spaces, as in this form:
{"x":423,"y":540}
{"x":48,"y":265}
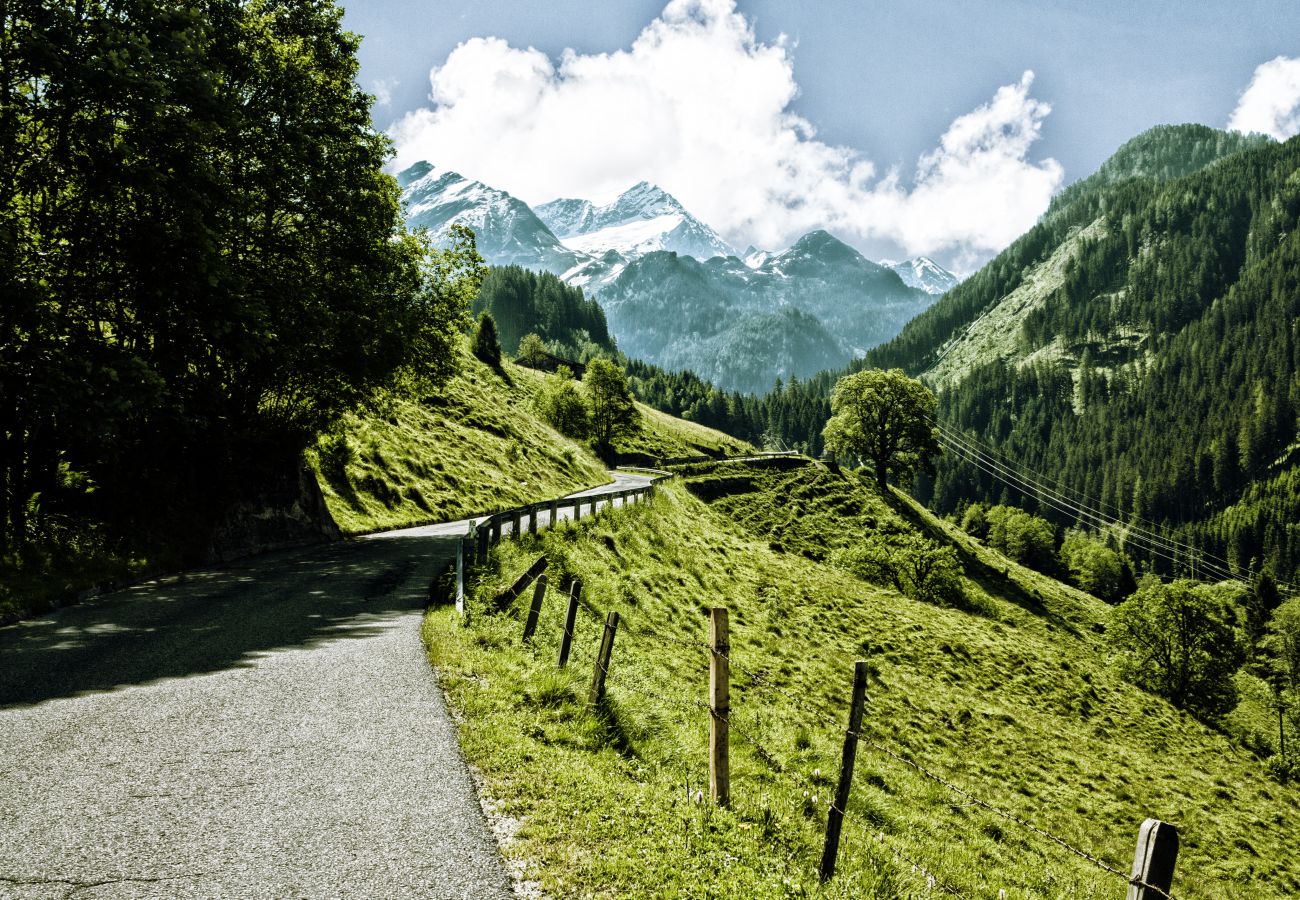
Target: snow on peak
{"x":643,"y":219}
{"x":925,"y":274}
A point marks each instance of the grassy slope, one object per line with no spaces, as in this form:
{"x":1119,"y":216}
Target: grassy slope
{"x":478,"y":447}
{"x":1013,"y":702}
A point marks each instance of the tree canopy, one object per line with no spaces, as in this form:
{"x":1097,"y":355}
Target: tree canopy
{"x":885,"y":418}
{"x":613,"y":412}
{"x":201,"y":259}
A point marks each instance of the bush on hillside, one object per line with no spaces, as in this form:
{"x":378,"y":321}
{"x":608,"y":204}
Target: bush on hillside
{"x":563,"y":407}
{"x":1096,"y":568}
{"x":916,"y":566}
{"x":1028,"y":539}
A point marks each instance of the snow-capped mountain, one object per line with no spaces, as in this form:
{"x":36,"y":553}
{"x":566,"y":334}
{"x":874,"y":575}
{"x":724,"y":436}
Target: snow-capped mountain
{"x":812,"y":307}
{"x":924,"y":273}
{"x":643,"y":219}
{"x":508,"y":232}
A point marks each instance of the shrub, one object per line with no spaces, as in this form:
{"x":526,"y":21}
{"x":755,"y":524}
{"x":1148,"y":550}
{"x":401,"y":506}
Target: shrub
{"x":562,"y":405}
{"x":1093,"y":566}
{"x":916,"y":566}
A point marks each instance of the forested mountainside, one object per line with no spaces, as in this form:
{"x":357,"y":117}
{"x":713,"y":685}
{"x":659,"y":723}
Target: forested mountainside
{"x":522,"y":302}
{"x":1139,"y":346}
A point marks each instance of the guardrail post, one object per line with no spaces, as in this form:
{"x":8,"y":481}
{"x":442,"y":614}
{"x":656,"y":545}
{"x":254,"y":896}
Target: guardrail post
{"x":481,"y":541}
{"x":835,"y":817}
{"x":555,"y":512}
{"x":516,"y":516}
{"x":719,"y":707}
{"x":534,"y":611}
{"x":1153,"y":865}
{"x":570,"y":622}
{"x":532,"y":519}
{"x":577,"y":508}
{"x":496,"y":529}
{"x":601,"y":668}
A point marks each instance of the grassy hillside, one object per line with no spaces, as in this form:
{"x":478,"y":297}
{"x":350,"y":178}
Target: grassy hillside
{"x":1009,"y":697}
{"x":478,"y":446}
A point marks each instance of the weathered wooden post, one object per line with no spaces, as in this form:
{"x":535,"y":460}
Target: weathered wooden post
{"x":460,"y":576}
{"x":534,"y":611}
{"x":510,"y":594}
{"x":516,"y":516}
{"x":496,"y":529}
{"x":1153,"y":865}
{"x":555,"y":512}
{"x":719,"y":707}
{"x":481,"y":539}
{"x":532,"y":519}
{"x":570,"y":622}
{"x":835,"y":817}
{"x":601,"y":668}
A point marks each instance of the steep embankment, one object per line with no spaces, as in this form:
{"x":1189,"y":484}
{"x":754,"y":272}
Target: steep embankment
{"x":1008,"y":697}
{"x":477,"y":446}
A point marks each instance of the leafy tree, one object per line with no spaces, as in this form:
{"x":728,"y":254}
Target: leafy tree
{"x":1176,"y":640}
{"x":975,"y":521}
{"x":613,"y":412}
{"x":1284,"y":642}
{"x":1028,"y":539}
{"x":1093,"y":566}
{"x":532,"y":350}
{"x":202,"y":262}
{"x":886,"y":418}
{"x":486,"y":345}
{"x":562,"y":405}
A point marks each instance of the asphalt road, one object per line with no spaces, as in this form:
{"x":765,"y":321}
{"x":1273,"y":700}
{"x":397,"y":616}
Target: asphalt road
{"x":270,"y":729}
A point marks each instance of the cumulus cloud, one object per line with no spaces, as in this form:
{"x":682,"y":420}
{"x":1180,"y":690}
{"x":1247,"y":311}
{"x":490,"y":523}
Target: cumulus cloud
{"x":701,"y":107}
{"x":1271,"y":102}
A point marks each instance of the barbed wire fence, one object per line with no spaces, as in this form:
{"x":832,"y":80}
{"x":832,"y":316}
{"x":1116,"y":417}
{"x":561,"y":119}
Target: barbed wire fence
{"x":1150,"y":878}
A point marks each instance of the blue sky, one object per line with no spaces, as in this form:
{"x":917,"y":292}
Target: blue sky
{"x":876,"y":87}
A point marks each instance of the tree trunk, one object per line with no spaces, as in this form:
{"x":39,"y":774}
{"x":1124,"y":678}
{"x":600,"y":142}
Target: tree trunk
{"x":882,"y":472}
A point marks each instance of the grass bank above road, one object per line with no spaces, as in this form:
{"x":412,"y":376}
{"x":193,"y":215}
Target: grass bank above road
{"x":478,"y":446}
{"x":1010,"y":697}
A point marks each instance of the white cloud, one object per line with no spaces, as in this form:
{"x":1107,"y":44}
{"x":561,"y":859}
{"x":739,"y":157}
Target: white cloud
{"x":1271,"y":102}
{"x":383,"y":90}
{"x":701,"y":107}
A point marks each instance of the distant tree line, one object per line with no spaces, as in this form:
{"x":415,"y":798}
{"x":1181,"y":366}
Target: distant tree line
{"x":523,"y":302}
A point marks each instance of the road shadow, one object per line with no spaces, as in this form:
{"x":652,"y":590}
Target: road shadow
{"x":219,"y":619}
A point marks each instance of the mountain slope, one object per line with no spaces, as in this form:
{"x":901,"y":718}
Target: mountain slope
{"x":673,"y":310}
{"x":508,"y":232}
{"x":643,"y":219}
{"x":1145,"y":355}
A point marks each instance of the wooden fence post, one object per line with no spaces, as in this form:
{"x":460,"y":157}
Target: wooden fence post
{"x":460,"y":576}
{"x":570,"y":622}
{"x":1153,"y":865}
{"x":539,"y":593}
{"x":601,"y":668}
{"x":511,"y":593}
{"x":719,"y":707}
{"x":835,"y":817}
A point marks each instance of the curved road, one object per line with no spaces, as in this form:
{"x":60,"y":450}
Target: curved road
{"x":271,"y":729}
